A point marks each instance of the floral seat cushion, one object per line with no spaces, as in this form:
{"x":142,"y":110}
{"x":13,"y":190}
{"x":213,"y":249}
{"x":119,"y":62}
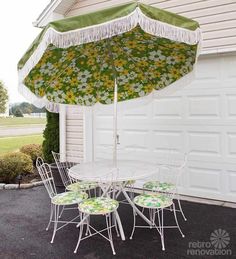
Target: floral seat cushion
{"x":99,"y":205}
{"x":130,"y":182}
{"x":68,"y":198}
{"x":153,"y":200}
{"x":159,"y":186}
{"x":79,"y":186}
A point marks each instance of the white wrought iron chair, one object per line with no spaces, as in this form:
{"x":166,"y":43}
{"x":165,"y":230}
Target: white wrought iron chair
{"x":103,"y":204}
{"x":70,"y":184}
{"x":162,"y":186}
{"x":57,"y":200}
{"x":157,"y":201}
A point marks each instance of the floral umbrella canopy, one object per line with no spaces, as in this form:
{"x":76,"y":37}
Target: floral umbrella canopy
{"x":75,"y":60}
{"x":78,"y":60}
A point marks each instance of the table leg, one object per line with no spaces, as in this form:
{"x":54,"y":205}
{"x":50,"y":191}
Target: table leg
{"x":120,"y":226}
{"x":135,"y":208}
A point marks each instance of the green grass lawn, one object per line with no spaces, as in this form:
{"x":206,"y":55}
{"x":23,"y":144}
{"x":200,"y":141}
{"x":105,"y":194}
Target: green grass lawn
{"x":9,"y":144}
{"x":21,"y":121}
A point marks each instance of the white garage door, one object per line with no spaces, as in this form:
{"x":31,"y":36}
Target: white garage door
{"x":200,"y":119}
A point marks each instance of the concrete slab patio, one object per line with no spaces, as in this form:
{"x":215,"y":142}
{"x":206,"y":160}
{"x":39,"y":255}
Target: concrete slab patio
{"x":24,"y":215}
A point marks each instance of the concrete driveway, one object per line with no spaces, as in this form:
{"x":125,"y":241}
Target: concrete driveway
{"x":24,"y":215}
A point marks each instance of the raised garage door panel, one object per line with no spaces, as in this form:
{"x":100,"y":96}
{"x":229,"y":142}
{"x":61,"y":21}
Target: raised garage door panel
{"x":199,"y":119}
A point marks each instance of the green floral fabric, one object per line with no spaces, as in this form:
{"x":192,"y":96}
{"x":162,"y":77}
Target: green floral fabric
{"x":100,"y":205}
{"x":68,"y":198}
{"x":159,"y":186}
{"x":83,"y":185}
{"x":84,"y":74}
{"x":153,"y":200}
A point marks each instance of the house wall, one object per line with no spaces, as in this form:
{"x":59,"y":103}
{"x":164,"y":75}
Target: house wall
{"x":72,"y":132}
{"x":217,"y":18}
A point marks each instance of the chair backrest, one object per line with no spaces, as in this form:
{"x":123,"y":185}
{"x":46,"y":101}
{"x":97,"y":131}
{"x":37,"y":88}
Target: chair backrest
{"x":107,"y":182}
{"x":45,"y":173}
{"x":170,"y":172}
{"x":177,"y":163}
{"x":39,"y":162}
{"x":62,"y":167}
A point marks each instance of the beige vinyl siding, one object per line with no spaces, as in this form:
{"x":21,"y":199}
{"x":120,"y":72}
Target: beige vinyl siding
{"x":74,"y":132}
{"x":65,"y":5}
{"x":216,"y":17}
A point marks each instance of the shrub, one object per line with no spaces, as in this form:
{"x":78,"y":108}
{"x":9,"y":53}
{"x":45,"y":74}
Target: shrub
{"x":13,"y":164}
{"x":51,"y":136}
{"x":33,"y":150}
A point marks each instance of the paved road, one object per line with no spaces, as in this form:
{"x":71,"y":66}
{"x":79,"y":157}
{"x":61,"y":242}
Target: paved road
{"x":19,"y":131}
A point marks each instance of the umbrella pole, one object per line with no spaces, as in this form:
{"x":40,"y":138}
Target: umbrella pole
{"x":92,"y":134}
{"x":115,"y":127}
{"x":115,"y":106}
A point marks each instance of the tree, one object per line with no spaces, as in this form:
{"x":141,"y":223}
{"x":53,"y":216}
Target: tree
{"x":51,"y":136}
{"x":18,"y":113}
{"x":3,"y":97}
{"x":26,"y":108}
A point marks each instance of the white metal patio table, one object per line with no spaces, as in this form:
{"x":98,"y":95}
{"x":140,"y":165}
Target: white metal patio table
{"x":124,"y":171}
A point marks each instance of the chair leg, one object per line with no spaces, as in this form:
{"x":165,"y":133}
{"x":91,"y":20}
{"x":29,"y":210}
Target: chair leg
{"x":109,"y":232}
{"x":162,"y":230}
{"x":56,"y":216}
{"x":131,"y":192}
{"x":61,"y":211}
{"x":50,"y":219}
{"x":115,"y":223}
{"x":176,"y":220}
{"x":134,"y":215}
{"x":80,"y":234}
{"x":88,"y":229}
{"x":99,"y":191}
{"x":181,"y":210}
{"x":161,"y":227}
{"x":153,"y":217}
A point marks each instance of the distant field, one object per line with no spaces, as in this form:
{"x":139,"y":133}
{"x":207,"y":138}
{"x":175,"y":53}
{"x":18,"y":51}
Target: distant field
{"x":21,"y":121}
{"x":10,"y":144}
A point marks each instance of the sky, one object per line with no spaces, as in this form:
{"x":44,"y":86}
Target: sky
{"x":17,"y":33}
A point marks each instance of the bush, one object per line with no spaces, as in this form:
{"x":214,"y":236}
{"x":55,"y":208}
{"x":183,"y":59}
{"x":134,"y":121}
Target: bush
{"x":13,"y":164}
{"x":51,"y":136}
{"x":33,"y":150}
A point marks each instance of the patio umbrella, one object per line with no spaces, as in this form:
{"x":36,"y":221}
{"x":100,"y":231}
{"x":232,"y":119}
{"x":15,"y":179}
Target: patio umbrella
{"x":108,"y":56}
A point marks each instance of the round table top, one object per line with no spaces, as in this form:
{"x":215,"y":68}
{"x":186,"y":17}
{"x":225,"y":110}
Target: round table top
{"x":104,"y":171}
